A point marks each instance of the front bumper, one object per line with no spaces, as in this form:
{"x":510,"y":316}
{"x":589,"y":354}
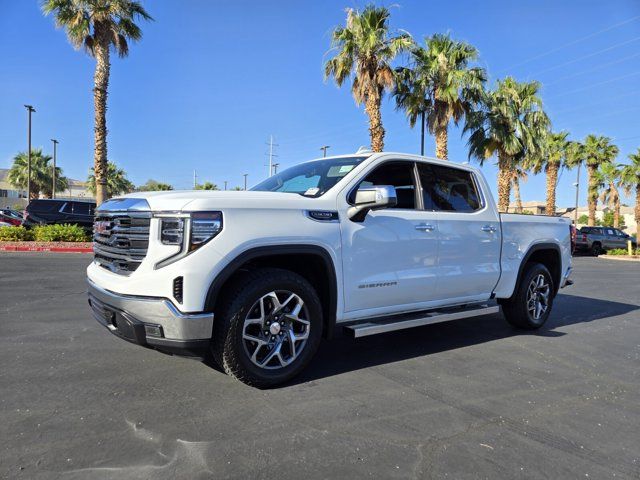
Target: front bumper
{"x":151,"y":322}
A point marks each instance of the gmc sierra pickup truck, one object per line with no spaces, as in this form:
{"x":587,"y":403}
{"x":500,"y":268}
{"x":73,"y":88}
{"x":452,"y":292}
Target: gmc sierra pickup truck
{"x":370,"y":242}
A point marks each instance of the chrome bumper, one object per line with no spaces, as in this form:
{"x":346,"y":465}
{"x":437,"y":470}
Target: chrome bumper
{"x":149,"y":321}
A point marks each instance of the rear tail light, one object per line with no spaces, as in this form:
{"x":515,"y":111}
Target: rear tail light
{"x":573,"y":233}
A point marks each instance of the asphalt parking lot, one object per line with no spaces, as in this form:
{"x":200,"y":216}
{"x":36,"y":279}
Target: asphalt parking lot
{"x":467,"y":399}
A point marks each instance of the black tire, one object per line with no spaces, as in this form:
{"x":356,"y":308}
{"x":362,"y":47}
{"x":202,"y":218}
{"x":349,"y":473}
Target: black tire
{"x":228,"y":346}
{"x":516,"y":310}
{"x":596,"y":249}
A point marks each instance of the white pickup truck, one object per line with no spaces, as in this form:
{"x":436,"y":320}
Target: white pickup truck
{"x":371,"y":242}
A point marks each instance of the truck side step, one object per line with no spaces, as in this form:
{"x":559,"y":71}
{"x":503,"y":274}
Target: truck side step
{"x":400,"y":322}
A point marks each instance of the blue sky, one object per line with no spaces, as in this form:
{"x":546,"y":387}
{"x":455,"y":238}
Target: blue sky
{"x":210,"y":82}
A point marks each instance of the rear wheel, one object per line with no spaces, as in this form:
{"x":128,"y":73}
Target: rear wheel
{"x":530,"y":306}
{"x":269,"y":329}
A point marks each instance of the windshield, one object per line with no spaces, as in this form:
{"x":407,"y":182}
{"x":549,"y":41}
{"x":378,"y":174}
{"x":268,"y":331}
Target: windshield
{"x":310,"y":179}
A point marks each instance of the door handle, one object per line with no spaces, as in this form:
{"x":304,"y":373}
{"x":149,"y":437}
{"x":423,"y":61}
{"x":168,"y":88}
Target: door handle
{"x":488,"y":228}
{"x":425,"y":227}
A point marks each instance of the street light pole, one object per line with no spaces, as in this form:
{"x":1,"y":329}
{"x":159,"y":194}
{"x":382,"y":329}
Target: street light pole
{"x":324,"y":150}
{"x":225,"y":184}
{"x":245,"y":180}
{"x":577,"y":185}
{"x":30,"y":109}
{"x":53,"y":186}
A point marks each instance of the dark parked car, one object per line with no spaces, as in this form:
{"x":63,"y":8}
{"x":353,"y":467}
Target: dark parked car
{"x":597,"y":240}
{"x":44,"y":212}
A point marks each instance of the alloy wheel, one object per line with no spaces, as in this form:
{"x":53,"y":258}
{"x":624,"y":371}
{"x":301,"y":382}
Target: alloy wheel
{"x":276,"y":329}
{"x":538,"y":296}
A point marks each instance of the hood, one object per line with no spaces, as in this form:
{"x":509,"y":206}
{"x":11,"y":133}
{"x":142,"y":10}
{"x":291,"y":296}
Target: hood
{"x":175,"y":200}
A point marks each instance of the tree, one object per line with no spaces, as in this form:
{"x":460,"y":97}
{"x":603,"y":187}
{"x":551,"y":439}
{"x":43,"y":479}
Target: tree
{"x":365,"y":49}
{"x":608,"y":178}
{"x":99,"y":25}
{"x":154,"y":186}
{"x":518,"y":173}
{"x":555,"y":155}
{"x":630,"y":180}
{"x":608,"y":220}
{"x":594,"y":152}
{"x":510,"y":124}
{"x":117,"y":181}
{"x":41,"y":174}
{"x":440,"y":86}
{"x":207,"y":186}
{"x":237,"y":189}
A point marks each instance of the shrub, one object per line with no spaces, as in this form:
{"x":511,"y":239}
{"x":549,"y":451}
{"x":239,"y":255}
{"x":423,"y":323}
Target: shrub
{"x":15,"y":234}
{"x":621,"y":251}
{"x":60,"y":233}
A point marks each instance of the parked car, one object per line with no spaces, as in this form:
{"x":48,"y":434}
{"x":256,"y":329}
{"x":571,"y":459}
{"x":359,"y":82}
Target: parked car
{"x":372,"y":242}
{"x":46,"y":211}
{"x":10,"y":216}
{"x":597,"y":240}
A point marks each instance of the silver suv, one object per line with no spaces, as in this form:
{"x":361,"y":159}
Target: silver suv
{"x":597,"y":240}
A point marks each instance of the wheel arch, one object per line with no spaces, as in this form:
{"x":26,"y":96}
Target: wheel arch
{"x":550,"y":256}
{"x":312,"y":262}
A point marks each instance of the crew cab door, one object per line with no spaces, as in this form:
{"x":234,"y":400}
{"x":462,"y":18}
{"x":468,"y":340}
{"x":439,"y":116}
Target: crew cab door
{"x":390,"y":258}
{"x":469,"y":233}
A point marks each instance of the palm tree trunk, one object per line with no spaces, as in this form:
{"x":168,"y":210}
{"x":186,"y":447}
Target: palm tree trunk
{"x":637,"y":214}
{"x":552,"y":181}
{"x":101,"y":85}
{"x":616,"y":210}
{"x":376,"y":130}
{"x":504,"y":181}
{"x":422,"y":133}
{"x":592,"y":196}
{"x":516,"y":194}
{"x":442,"y":138}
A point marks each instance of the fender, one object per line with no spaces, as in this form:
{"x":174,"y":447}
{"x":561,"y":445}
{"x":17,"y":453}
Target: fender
{"x":266,"y":251}
{"x":532,"y":249}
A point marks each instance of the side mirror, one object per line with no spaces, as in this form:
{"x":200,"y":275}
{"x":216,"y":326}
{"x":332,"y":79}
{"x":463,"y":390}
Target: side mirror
{"x":377,"y":197}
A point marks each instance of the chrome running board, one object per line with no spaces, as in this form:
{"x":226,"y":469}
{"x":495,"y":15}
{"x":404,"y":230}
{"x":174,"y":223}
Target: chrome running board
{"x":417,"y":319}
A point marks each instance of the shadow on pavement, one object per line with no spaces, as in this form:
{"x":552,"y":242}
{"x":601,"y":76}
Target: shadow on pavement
{"x":343,"y":354}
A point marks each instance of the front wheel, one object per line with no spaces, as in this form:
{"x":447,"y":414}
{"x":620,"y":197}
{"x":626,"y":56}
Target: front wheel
{"x":269,"y":329}
{"x":530,"y":306}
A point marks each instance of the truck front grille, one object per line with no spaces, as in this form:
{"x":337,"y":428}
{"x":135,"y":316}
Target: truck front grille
{"x":121,"y":240}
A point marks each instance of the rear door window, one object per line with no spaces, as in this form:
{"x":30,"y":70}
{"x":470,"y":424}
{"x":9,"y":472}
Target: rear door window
{"x":82,"y":208}
{"x":452,"y":190}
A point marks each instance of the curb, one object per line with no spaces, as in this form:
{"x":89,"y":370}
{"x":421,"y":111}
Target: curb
{"x":46,"y":249}
{"x":620,"y":257}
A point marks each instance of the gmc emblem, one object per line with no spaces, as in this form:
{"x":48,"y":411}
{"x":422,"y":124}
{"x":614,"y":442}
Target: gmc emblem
{"x":102,"y":227}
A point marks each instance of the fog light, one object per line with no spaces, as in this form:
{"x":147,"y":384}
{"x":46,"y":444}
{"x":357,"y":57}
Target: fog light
{"x":153,"y":330}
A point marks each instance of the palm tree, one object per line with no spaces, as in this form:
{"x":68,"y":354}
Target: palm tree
{"x":519,"y":173}
{"x":207,"y":186}
{"x":594,"y":152}
{"x":99,"y":25}
{"x":608,"y":178}
{"x":511,"y":124}
{"x":154,"y":186}
{"x":117,"y":181}
{"x":237,"y":189}
{"x":555,"y":155}
{"x":630,"y":180}
{"x":41,"y":174}
{"x":365,"y":49}
{"x":441,"y":84}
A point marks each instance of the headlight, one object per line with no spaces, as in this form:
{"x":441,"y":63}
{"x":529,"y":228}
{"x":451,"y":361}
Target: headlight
{"x":188,"y":230}
{"x":204,"y":226}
